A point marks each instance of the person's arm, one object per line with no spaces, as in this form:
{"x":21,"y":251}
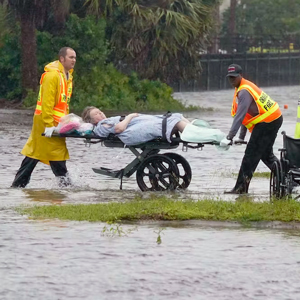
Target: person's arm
{"x":244,"y":101}
{"x":49,"y":94}
{"x":243,"y":132}
{"x":121,"y":126}
{"x":105,"y":127}
{"x":184,"y":119}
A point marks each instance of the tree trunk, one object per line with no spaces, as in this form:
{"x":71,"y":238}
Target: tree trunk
{"x":28,"y":55}
{"x":215,"y":42}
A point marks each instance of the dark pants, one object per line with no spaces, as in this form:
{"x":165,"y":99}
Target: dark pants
{"x":28,"y":164}
{"x":259,"y":147}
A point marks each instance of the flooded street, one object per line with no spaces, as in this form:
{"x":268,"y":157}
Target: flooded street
{"x":76,"y":260}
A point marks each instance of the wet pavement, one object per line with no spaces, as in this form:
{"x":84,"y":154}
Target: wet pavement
{"x":75,"y":260}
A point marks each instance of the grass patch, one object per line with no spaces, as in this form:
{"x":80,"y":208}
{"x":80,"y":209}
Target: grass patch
{"x":262,"y":174}
{"x":255,"y":175}
{"x":162,"y":208}
{"x":199,"y":108}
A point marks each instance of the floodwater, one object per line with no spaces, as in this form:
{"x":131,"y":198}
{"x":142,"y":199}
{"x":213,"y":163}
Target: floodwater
{"x":76,"y":260}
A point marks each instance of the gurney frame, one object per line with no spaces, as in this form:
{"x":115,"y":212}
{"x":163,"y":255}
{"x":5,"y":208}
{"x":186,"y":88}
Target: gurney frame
{"x":154,"y":171}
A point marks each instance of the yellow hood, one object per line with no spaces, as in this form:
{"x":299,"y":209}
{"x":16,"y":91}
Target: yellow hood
{"x":54,"y":66}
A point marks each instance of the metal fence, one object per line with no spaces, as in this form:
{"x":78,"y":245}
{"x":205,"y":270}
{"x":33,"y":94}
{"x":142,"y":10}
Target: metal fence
{"x":255,"y":44}
{"x":265,"y":69}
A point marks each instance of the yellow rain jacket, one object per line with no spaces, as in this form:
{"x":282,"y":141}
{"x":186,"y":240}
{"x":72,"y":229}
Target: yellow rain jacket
{"x":40,"y":147}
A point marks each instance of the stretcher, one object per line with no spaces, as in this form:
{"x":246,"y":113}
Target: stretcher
{"x":154,"y":171}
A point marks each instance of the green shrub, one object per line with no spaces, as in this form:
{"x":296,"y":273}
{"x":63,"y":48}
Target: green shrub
{"x":99,"y":83}
{"x":31,"y":98}
{"x":10,"y":66}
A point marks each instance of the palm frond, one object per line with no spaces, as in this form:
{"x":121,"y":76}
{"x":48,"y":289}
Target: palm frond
{"x":155,"y":32}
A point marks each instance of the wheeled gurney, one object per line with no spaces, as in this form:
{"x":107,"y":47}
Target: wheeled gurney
{"x":154,"y":171}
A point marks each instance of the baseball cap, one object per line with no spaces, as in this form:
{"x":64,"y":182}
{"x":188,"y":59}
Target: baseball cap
{"x":234,"y":70}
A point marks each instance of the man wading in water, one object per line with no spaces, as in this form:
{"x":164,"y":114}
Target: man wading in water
{"x":52,"y":104}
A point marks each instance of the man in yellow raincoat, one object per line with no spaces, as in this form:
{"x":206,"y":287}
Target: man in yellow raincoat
{"x":52,"y":104}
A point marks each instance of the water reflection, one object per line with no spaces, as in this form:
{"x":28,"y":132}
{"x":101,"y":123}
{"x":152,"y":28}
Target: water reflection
{"x":54,"y":197}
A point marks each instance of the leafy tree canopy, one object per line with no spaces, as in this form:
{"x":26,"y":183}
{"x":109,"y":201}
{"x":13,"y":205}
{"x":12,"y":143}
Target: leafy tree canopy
{"x":160,"y":38}
{"x":96,"y":82}
{"x":273,"y":18}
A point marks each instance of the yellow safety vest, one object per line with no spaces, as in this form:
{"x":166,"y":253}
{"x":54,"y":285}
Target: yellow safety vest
{"x":268,"y":109}
{"x":61,"y":108}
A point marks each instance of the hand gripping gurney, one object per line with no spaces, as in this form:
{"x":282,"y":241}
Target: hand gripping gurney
{"x":154,"y":171}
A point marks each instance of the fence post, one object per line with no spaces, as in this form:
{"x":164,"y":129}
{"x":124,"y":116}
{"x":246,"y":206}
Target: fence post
{"x":221,"y":73}
{"x":245,"y":62}
{"x":256,"y":70}
{"x":207,"y":74}
{"x":290,"y":68}
{"x":279,"y":61}
{"x":268,"y":69}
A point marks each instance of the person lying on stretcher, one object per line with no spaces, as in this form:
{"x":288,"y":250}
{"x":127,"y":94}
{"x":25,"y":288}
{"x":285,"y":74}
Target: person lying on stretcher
{"x":140,"y":128}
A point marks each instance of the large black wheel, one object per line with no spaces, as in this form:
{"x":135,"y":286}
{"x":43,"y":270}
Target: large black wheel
{"x":275,"y":181}
{"x":184,"y":168}
{"x":157,"y":173}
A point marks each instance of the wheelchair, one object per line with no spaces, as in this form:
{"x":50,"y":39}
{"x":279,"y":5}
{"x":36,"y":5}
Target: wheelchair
{"x":285,"y":173}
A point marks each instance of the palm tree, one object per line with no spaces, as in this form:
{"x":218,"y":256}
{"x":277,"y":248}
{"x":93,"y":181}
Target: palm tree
{"x":32,"y":14}
{"x":159,"y":38}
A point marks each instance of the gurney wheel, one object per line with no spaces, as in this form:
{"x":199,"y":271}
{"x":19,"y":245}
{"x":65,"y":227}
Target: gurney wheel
{"x":184,"y":168}
{"x":157,"y":173}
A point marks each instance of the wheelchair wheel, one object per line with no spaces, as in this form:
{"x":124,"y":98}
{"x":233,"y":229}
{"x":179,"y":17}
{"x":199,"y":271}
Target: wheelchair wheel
{"x":157,"y":173}
{"x":184,"y":168}
{"x":275,"y":181}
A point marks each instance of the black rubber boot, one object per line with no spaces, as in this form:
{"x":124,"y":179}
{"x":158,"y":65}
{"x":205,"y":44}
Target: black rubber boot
{"x":64,"y":181}
{"x":59,"y":169}
{"x":24,"y":173}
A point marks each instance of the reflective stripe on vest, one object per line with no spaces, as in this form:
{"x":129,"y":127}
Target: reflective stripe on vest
{"x":268,"y":109}
{"x":65,"y":93}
